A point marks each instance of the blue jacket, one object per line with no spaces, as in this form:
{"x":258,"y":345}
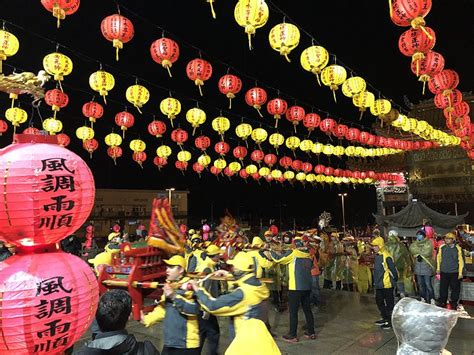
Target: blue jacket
{"x":385,"y":272}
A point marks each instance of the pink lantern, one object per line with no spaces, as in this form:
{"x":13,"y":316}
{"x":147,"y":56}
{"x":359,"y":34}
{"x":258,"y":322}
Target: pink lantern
{"x":48,"y":191}
{"x":48,"y":302}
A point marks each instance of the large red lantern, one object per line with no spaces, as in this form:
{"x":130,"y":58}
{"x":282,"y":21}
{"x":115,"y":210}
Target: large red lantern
{"x":230,"y":85}
{"x":256,"y":98}
{"x":93,"y":111}
{"x":430,"y":65}
{"x":222,"y":148}
{"x":117,"y":29}
{"x":327,"y":125}
{"x":311,"y":121}
{"x":319,"y":169}
{"x":239,"y":152}
{"x":179,"y":136}
{"x":406,"y":13}
{"x":307,"y":167}
{"x":114,"y":153}
{"x":49,"y":300}
{"x":48,"y":191}
{"x":444,"y":101}
{"x":444,"y":82}
{"x":297,"y":165}
{"x":340,"y":130}
{"x":160,"y":162}
{"x":61,"y":8}
{"x":57,"y":99}
{"x":199,"y":70}
{"x":270,"y":159}
{"x":416,"y":43}
{"x":352,"y":134}
{"x":285,"y":162}
{"x":165,"y":51}
{"x":277,"y":107}
{"x":295,"y":114}
{"x":90,"y":145}
{"x":139,"y":157}
{"x":157,"y":128}
{"x":257,"y":156}
{"x":3,"y":127}
{"x":124,"y":120}
{"x":202,"y":142}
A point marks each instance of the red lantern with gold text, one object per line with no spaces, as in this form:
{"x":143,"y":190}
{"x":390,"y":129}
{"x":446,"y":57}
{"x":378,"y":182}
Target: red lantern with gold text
{"x":430,"y":65}
{"x":285,"y":162}
{"x":93,"y":111}
{"x":307,"y":167}
{"x":165,"y":51}
{"x":90,"y":145}
{"x":352,"y":134}
{"x":256,"y":98}
{"x":416,"y":44}
{"x":139,"y":157}
{"x":230,"y":85}
{"x":222,"y":148}
{"x":4,"y":127}
{"x":340,"y":130}
{"x":48,"y":191}
{"x":202,"y":142}
{"x":61,"y":8}
{"x":270,"y":159}
{"x":117,"y":29}
{"x":311,"y":121}
{"x":114,"y":153}
{"x":57,"y":99}
{"x":157,"y":128}
{"x":297,"y":165}
{"x":257,"y":156}
{"x":199,"y":70}
{"x":295,"y":114}
{"x":179,"y":136}
{"x":124,"y":120}
{"x":445,"y":101}
{"x":406,"y":13}
{"x":239,"y":152}
{"x":444,"y":82}
{"x":327,"y":125}
{"x":160,"y":162}
{"x":277,"y":107}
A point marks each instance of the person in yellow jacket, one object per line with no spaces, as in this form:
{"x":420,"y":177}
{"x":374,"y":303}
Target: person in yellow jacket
{"x":299,"y":287}
{"x":178,"y":311}
{"x":243,"y":305}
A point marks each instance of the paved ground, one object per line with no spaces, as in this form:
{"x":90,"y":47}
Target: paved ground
{"x":344,"y":325}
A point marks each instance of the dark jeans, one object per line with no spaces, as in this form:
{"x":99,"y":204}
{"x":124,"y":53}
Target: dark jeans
{"x":209,"y":328}
{"x":449,"y":280}
{"x":178,"y":351}
{"x":294,"y":300}
{"x":385,"y":302}
{"x":425,"y":286}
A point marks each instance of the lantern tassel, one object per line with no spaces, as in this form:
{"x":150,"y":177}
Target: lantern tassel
{"x":169,"y":71}
{"x":212,"y":9}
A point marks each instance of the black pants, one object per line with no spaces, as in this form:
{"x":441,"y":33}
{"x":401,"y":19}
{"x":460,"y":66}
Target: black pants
{"x":449,"y":280}
{"x":294,"y":300}
{"x":209,"y":328}
{"x":179,"y":351}
{"x":385,"y":302}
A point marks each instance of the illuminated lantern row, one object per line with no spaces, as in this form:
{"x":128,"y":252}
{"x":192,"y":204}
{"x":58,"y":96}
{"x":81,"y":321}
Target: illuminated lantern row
{"x":199,"y":70}
{"x":9,"y":46}
{"x":165,"y":51}
{"x":118,"y":29}
{"x":61,"y":8}
{"x":251,"y":15}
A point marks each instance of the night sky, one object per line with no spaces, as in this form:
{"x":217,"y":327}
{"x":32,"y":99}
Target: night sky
{"x":359,"y":33}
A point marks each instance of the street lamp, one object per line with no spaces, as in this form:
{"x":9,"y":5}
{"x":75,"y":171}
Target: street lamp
{"x":343,"y":211}
{"x":170,"y":190}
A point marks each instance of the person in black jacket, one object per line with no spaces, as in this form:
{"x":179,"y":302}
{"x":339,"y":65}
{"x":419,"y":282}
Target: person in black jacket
{"x":112,"y":315}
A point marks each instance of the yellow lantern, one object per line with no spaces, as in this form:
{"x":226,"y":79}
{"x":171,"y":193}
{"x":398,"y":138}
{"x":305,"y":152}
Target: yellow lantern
{"x":52,"y":126}
{"x":338,"y":151}
{"x":314,"y":59}
{"x":220,"y":164}
{"x":301,"y":176}
{"x":251,"y":169}
{"x":163,"y":151}
{"x":317,"y":148}
{"x":113,"y":139}
{"x":235,"y":166}
{"x":259,"y":135}
{"x":204,"y":160}
{"x":58,"y":65}
{"x":333,"y":76}
{"x":9,"y":45}
{"x":16,"y":116}
{"x":276,"y":174}
{"x":363,"y":100}
{"x":380,"y":107}
{"x":310,"y":178}
{"x":251,"y":14}
{"x":184,"y":155}
{"x":350,"y":151}
{"x":264,"y":171}
{"x":221,"y":125}
{"x":196,"y":117}
{"x":289,"y":175}
{"x":102,"y":82}
{"x":137,"y":95}
{"x":170,"y":107}
{"x":353,"y":86}
{"x":283,"y":38}
{"x":137,"y":145}
{"x":292,"y":143}
{"x":306,"y":145}
{"x":276,"y":140}
{"x":84,"y":133}
{"x":328,"y":149}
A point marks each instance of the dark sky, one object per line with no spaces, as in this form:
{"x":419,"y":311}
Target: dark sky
{"x":359,"y":32}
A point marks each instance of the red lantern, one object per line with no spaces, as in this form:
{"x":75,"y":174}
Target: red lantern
{"x":243,"y":174}
{"x":199,"y":70}
{"x":49,"y":301}
{"x":48,"y":191}
{"x":340,"y":130}
{"x":277,"y":107}
{"x":124,"y":120}
{"x":57,"y":99}
{"x":222,"y":148}
{"x":198,"y":168}
{"x":240,"y":152}
{"x":256,"y":97}
{"x":93,"y":111}
{"x":445,"y":101}
{"x":409,"y":12}
{"x":297,"y":165}
{"x":257,"y":156}
{"x":328,"y":171}
{"x":319,"y":169}
{"x":295,"y":114}
{"x":157,"y":128}
{"x":416,"y":43}
{"x":215,"y":171}
{"x":114,"y":153}
{"x":165,"y":51}
{"x":311,"y":121}
{"x":364,"y":137}
{"x":202,"y":142}
{"x":230,"y":85}
{"x":160,"y":162}
{"x":307,"y":167}
{"x":270,"y":159}
{"x":139,"y":157}
{"x":31,"y":130}
{"x":285,"y":162}
{"x":327,"y":125}
{"x":63,"y":139}
{"x":90,"y":145}
{"x":444,"y":82}
{"x":352,"y":134}
{"x":179,"y":136}
{"x":117,"y":29}
{"x":430,"y":65}
{"x":4,"y":127}
{"x":61,"y":8}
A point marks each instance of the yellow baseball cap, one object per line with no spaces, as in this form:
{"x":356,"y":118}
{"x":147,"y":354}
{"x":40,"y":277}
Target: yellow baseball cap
{"x":176,"y":260}
{"x":213,"y":249}
{"x":242,"y":261}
